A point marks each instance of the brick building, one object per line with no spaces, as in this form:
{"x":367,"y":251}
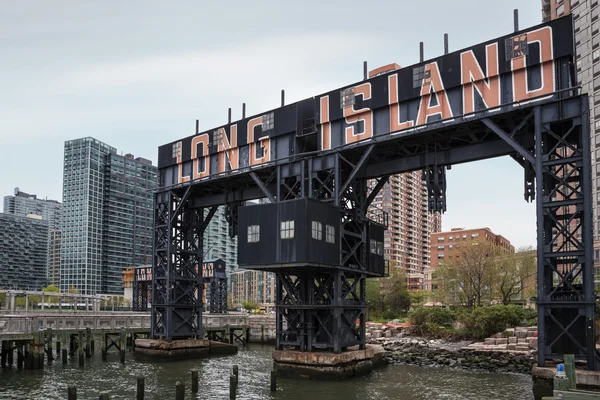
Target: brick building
{"x":444,"y":243}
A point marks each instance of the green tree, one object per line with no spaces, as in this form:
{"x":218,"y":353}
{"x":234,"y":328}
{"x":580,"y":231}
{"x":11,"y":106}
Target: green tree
{"x":469,"y":276}
{"x":418,"y":298}
{"x":50,"y":289}
{"x":397,"y":299}
{"x":250,"y":305}
{"x":375,"y":298}
{"x":515,"y":275}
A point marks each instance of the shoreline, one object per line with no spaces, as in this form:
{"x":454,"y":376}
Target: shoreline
{"x":419,"y":351}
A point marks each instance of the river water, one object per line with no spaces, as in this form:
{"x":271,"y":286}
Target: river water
{"x":254,"y":362}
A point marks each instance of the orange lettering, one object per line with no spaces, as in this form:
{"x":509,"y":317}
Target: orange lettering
{"x":196,"y":140}
{"x":229,"y":149}
{"x":520,"y":90}
{"x":180,"y":177}
{"x":395,"y":124}
{"x":473,"y":78}
{"x":264,"y":142}
{"x":432,"y":82}
{"x":364,"y":114}
{"x":325,"y":124}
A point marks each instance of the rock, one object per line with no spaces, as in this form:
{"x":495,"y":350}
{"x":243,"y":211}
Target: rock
{"x":388,"y":334}
{"x":512,"y":340}
{"x":533,"y":344}
{"x":376,"y":334}
{"x":503,"y":341}
{"x":490,"y":341}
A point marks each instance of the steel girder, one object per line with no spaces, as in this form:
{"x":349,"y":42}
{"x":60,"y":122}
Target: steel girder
{"x":177,"y":278}
{"x":324,"y":309}
{"x":217,"y":289}
{"x":141,"y":294}
{"x":560,"y":161}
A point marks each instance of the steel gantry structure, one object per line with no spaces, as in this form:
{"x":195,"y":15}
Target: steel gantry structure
{"x":515,"y":95}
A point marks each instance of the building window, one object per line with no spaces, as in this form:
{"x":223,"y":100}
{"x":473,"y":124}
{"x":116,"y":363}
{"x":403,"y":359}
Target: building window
{"x":440,"y":247}
{"x":253,"y":233}
{"x":475,"y":235}
{"x":380,"y":248}
{"x":287,"y":229}
{"x":373,"y":246}
{"x":317,"y":230}
{"x":440,"y":239}
{"x":329,"y":234}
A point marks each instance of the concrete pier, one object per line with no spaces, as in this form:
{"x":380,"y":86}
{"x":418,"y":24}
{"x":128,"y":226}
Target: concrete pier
{"x":316,"y":365}
{"x":183,"y":348}
{"x":543,"y":376}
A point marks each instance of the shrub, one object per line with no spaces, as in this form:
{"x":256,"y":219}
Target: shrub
{"x":432,"y":320}
{"x":486,"y":321}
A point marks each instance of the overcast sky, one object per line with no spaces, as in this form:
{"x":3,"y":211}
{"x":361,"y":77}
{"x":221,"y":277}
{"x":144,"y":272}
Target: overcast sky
{"x":137,"y":74}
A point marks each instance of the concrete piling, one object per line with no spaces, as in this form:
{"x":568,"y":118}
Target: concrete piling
{"x":273,"y":381}
{"x":194,"y":381}
{"x":49,"y":340}
{"x":140,"y":388}
{"x":179,"y":391}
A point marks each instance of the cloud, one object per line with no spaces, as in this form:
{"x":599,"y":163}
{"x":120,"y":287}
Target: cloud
{"x":283,"y":59}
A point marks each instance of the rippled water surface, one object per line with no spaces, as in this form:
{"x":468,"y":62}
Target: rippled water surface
{"x":391,"y":382}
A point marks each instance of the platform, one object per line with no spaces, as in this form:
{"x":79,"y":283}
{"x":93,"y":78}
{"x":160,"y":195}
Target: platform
{"x":322,"y":365}
{"x":183,"y":348}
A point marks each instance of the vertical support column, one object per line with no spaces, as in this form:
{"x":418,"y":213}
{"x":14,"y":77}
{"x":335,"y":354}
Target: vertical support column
{"x":20,"y":355}
{"x":587,"y":227}
{"x":49,"y":341}
{"x":122,"y":339}
{"x":88,"y":342}
{"x":363,"y":321}
{"x":103,"y":345}
{"x":4,"y":353}
{"x":541,"y":270}
{"x":337,"y":311}
{"x":11,"y":347}
{"x":80,"y":345}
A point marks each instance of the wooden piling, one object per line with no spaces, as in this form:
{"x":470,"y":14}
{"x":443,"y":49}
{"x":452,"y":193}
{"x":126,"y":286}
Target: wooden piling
{"x":235,"y":371}
{"x":65,"y":356}
{"x":20,"y":355}
{"x":4,"y":353}
{"x":11,"y":347}
{"x":569,"y":360}
{"x":35,"y":350}
{"x":104,"y":396}
{"x":49,"y":339}
{"x":179,"y":391}
{"x":103,"y":345}
{"x":29,"y":355}
{"x":72,"y":393}
{"x":233,"y":382}
{"x":273,"y":381}
{"x":122,"y":338}
{"x":80,"y":347}
{"x":58,"y":347}
{"x":194,"y":381}
{"x":140,"y":388}
{"x":88,"y":342}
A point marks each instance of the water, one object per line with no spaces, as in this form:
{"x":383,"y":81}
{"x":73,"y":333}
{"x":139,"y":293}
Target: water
{"x":119,"y":380}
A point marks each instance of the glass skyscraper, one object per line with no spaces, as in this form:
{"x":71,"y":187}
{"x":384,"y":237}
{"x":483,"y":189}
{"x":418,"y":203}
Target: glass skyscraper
{"x":107,"y":216}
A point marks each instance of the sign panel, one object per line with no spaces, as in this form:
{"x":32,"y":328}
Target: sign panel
{"x":520,"y":68}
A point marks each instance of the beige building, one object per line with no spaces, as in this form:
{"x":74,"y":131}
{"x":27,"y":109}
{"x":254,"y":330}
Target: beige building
{"x":253,"y":286}
{"x":407,"y":240}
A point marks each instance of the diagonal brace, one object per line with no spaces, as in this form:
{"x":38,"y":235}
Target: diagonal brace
{"x":180,"y":205}
{"x":509,"y":140}
{"x":359,"y":166}
{"x":262,"y":187}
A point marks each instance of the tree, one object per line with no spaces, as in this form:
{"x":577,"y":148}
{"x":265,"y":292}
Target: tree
{"x":51,"y":289}
{"x":515,"y":274}
{"x":397,"y":299}
{"x":73,"y":290}
{"x":250,"y":305}
{"x":418,"y":297}
{"x":375,"y":297}
{"x":468,"y":276}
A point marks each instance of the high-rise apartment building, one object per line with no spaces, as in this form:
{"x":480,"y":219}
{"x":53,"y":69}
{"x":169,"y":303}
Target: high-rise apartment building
{"x":253,"y":286}
{"x":406,"y":242}
{"x":54,"y":257}
{"x":218,"y":244}
{"x":23,"y":252}
{"x":108,"y":204}
{"x":23,"y":204}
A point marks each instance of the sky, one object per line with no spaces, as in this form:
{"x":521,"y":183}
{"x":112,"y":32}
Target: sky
{"x":137,"y":74}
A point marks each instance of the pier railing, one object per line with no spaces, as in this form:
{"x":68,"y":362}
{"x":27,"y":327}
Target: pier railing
{"x":27,"y":324}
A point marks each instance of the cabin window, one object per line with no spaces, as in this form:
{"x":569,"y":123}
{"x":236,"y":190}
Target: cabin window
{"x":329,"y":234}
{"x":287,"y":229}
{"x":317,"y":230}
{"x":253,"y":233}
